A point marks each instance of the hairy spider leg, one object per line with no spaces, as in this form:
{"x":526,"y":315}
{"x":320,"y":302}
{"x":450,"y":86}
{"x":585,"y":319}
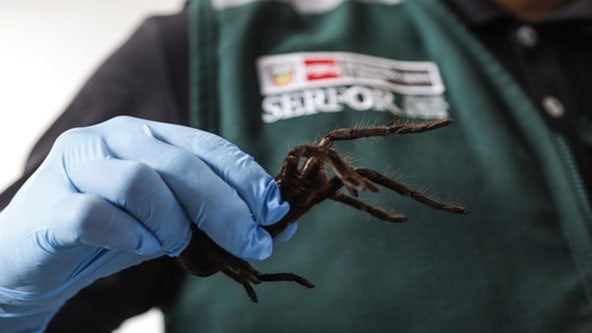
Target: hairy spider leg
{"x":246,"y":284}
{"x":235,"y":267}
{"x":286,"y":277}
{"x":350,"y":178}
{"x":345,"y":134}
{"x":273,"y":277}
{"x":243,"y":273}
{"x":404,"y":190}
{"x":398,"y":187}
{"x":334,"y":193}
{"x":300,"y":180}
{"x":289,"y":172}
{"x":372,"y":210}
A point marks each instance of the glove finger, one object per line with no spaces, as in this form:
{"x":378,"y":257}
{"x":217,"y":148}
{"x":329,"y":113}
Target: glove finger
{"x":93,"y":221}
{"x":253,"y":184}
{"x":214,"y":205}
{"x":285,"y":235}
{"x":138,"y":190}
{"x":237,"y":168}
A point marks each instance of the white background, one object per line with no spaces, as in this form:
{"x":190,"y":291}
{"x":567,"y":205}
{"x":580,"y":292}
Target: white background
{"x":48,"y":48}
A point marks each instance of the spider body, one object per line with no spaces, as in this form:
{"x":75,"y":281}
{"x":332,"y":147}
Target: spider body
{"x":305,"y":182}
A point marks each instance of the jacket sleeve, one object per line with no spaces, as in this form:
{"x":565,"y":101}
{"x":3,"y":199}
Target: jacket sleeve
{"x":146,"y":77}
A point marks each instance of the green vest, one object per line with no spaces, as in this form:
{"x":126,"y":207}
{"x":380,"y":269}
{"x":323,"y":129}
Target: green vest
{"x":269,"y":75}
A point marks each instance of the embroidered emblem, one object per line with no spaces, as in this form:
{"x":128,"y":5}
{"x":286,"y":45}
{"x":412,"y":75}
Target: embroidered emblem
{"x":341,"y":68}
{"x":299,"y":84}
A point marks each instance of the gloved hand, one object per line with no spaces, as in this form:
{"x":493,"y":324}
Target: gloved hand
{"x":113,"y":195}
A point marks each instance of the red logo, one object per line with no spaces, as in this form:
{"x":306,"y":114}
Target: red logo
{"x":322,"y":69}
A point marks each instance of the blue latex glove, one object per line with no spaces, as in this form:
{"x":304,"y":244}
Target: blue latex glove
{"x":113,"y":195}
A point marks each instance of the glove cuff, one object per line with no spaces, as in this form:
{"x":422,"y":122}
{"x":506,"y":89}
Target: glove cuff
{"x":27,"y":323}
{"x":18,"y":314}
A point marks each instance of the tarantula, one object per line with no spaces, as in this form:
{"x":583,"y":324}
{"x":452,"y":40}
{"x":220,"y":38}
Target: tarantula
{"x":304,"y":182}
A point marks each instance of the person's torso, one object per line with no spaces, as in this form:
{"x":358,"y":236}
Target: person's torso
{"x":269,"y":75}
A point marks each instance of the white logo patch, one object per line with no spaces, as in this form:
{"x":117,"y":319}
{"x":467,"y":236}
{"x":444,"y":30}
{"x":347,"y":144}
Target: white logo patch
{"x":299,"y":84}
